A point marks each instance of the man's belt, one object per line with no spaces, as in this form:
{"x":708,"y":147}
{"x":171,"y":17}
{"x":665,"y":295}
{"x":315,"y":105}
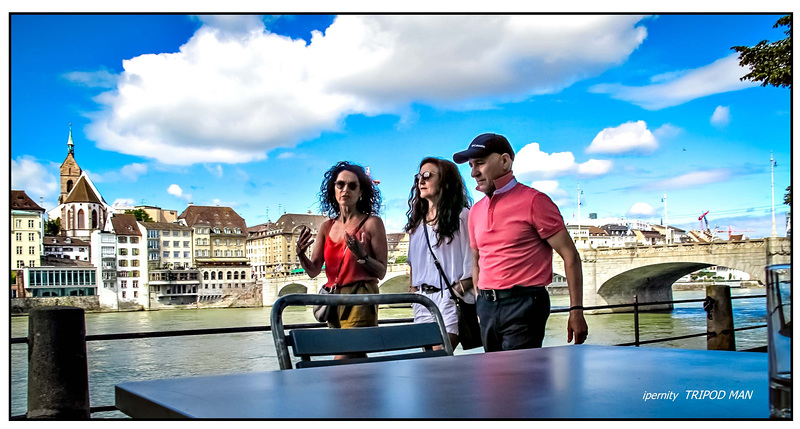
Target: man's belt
{"x":500,"y":294}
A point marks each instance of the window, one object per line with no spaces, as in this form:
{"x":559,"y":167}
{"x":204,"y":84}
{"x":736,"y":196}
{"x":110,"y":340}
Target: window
{"x":123,"y":294}
{"x":136,"y":294}
{"x":237,"y":230}
{"x":166,"y":234}
{"x":166,"y":254}
{"x":216,"y":230}
{"x":134,"y":240}
{"x":185,"y":254}
{"x":135,"y":252}
{"x":186,"y":233}
{"x":135,"y":263}
{"x":229,"y":275}
{"x":31,"y":236}
{"x":205,"y":275}
{"x":19,"y":236}
{"x":186,"y":243}
{"x":213,"y":275}
{"x":199,"y":241}
{"x":123,"y":262}
{"x":236,"y":275}
{"x":20,"y":264}
{"x":30,"y":224}
{"x":176,"y":254}
{"x":122,"y":239}
{"x":19,"y":250}
{"x":19,"y":223}
{"x":217,"y":242}
{"x":123,"y":252}
{"x":176,"y":244}
{"x":135,"y":284}
{"x":134,"y":273}
{"x":227,"y":230}
{"x":165,"y":244}
{"x":123,"y":283}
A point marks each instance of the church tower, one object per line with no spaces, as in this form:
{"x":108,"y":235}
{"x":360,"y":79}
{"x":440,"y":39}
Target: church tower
{"x":70,"y":172}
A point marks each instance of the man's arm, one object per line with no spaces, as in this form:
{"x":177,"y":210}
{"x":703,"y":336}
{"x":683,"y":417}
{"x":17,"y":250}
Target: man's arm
{"x":475,"y":271}
{"x":562,"y":243}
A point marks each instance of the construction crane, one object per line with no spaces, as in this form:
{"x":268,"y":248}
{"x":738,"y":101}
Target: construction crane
{"x":731,"y":231}
{"x":704,"y":218}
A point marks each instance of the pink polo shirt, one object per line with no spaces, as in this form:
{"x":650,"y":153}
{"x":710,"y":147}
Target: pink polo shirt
{"x":509,"y":230}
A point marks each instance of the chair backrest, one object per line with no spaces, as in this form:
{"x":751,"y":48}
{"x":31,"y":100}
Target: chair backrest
{"x":308,"y":343}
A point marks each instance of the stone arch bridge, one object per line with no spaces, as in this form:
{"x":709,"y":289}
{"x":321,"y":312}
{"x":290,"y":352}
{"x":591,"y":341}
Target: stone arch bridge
{"x":614,"y":275}
{"x":610,"y":275}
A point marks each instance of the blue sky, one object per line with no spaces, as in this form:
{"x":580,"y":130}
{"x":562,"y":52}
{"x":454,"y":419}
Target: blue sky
{"x":250,"y":111}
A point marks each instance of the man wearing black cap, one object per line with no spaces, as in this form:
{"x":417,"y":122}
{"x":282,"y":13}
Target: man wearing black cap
{"x":513,"y":232}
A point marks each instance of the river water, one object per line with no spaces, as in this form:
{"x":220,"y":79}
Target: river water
{"x":116,"y":361}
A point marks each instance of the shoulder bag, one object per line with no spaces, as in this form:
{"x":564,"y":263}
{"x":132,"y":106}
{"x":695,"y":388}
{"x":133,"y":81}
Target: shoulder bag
{"x":469,"y":330}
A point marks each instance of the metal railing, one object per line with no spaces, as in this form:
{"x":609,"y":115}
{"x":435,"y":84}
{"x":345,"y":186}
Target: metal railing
{"x":635,"y":305}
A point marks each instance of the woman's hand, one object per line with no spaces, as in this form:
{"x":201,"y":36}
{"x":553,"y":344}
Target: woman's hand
{"x":358,"y":246}
{"x":304,"y":241}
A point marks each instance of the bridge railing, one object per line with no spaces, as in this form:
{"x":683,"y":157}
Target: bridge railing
{"x":635,"y":306}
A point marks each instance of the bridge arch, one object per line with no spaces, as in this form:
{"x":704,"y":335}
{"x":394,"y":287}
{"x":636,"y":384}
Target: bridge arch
{"x":649,"y":283}
{"x":398,"y":284}
{"x":292,"y":288}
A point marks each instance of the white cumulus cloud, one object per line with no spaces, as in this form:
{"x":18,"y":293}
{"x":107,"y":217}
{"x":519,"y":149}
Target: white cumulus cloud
{"x":721,"y":116}
{"x":628,"y":137}
{"x":674,"y":88}
{"x":532,"y":163}
{"x":175,"y":190}
{"x":102,"y":78}
{"x":552,"y":189}
{"x":128,"y":173}
{"x":234,"y":91}
{"x":31,"y":176}
{"x":641,"y":209}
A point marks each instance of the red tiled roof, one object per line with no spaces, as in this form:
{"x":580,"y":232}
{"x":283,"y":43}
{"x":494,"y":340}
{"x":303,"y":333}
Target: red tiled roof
{"x":125,"y":224}
{"x":212,"y":216}
{"x":21,"y":201}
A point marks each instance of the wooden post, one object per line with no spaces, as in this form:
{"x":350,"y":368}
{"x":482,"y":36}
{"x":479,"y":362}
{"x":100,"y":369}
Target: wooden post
{"x":720,"y":319}
{"x":58,"y":377}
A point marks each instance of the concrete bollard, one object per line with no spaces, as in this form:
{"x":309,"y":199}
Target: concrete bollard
{"x":58,"y":377}
{"x":720,"y":318}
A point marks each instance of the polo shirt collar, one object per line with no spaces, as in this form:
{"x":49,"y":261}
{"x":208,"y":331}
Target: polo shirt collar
{"x":504,"y":183}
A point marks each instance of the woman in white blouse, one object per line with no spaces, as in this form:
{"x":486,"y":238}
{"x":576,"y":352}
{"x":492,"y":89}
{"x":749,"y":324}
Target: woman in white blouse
{"x":439,"y":205}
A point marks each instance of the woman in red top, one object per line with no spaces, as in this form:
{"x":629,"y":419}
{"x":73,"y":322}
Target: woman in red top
{"x":352,"y":245}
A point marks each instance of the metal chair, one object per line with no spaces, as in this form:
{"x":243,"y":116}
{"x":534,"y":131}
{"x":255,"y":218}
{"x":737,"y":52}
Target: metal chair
{"x":307,"y":343}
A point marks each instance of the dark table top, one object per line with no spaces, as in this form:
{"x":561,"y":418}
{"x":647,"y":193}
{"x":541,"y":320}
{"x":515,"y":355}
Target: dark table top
{"x":556,"y":382}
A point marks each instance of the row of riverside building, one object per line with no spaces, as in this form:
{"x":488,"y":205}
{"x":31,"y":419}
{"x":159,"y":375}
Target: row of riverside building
{"x":206,"y":254}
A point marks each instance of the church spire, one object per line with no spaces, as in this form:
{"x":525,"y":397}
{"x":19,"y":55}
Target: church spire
{"x":70,"y":144}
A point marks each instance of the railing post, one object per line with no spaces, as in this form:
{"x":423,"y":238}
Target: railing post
{"x":58,"y":378}
{"x":720,"y":318}
{"x":636,"y":321}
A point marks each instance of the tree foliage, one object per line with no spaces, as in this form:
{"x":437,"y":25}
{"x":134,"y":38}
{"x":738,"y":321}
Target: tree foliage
{"x":787,"y":198}
{"x":52,"y":226}
{"x":769,"y":63}
{"x":140,"y":214}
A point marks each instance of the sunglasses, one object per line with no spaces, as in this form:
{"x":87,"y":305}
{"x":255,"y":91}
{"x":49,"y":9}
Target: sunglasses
{"x":340,"y":184}
{"x":423,"y":176}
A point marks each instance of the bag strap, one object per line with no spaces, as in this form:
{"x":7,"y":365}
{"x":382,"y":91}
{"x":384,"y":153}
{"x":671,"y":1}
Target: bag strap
{"x":436,"y":261}
{"x":344,"y":252}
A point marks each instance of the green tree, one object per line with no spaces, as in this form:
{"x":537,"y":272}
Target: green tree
{"x":140,"y":214}
{"x":769,"y":63}
{"x":52,"y":226}
{"x":787,"y":198}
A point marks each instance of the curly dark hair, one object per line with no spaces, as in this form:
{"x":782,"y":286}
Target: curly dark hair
{"x":370,"y":201}
{"x":453,"y":199}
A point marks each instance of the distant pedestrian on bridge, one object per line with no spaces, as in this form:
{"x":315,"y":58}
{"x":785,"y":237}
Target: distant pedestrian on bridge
{"x":352,"y":246}
{"x":438,"y":209}
{"x":513,"y":231}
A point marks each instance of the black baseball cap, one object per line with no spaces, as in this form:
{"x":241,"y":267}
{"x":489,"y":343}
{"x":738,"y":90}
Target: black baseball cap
{"x":484,"y":145}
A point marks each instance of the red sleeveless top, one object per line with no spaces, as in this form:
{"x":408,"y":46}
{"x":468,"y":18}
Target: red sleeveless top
{"x":351,"y":271}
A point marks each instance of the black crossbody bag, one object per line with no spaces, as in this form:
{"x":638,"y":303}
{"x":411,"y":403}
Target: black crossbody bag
{"x":469,"y":330}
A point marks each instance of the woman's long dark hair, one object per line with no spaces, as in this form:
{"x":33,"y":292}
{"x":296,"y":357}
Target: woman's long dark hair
{"x":453,"y":197}
{"x":370,"y":201}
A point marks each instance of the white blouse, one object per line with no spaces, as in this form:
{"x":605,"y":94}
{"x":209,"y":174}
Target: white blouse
{"x":455,"y":256}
